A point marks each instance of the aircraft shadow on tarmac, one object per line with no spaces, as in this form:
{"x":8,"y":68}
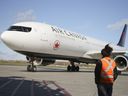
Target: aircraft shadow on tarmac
{"x":18,"y":86}
{"x":57,"y":70}
{"x":64,"y":70}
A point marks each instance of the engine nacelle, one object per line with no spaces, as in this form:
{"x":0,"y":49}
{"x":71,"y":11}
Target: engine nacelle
{"x":44,"y":62}
{"x":121,"y":62}
{"x":38,"y":61}
{"x":48,"y":61}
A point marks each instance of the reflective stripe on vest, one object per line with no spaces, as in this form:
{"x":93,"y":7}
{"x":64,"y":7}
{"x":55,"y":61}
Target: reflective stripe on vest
{"x":107,"y":70}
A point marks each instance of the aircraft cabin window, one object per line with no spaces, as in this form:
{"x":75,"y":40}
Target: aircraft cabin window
{"x":20,"y":28}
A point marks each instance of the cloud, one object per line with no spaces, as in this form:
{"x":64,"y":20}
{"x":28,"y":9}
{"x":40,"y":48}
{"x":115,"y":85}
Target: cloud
{"x":25,"y":16}
{"x":117,"y":25}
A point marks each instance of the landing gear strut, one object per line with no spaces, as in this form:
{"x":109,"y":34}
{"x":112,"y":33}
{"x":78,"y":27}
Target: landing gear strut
{"x":72,"y":67}
{"x":31,"y":67}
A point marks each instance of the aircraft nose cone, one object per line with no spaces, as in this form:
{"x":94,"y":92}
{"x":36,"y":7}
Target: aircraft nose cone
{"x":12,"y":40}
{"x":4,"y":37}
{"x":7,"y":38}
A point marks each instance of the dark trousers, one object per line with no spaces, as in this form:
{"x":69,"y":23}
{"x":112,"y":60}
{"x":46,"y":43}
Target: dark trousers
{"x":105,"y":89}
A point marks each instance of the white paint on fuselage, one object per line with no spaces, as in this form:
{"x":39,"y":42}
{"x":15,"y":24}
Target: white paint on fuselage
{"x":42,"y":37}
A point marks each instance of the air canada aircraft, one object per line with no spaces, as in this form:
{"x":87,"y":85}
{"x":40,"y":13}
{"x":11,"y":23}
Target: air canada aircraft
{"x":44,"y":44}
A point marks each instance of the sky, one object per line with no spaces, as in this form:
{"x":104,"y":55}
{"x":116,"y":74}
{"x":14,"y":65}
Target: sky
{"x":101,"y":19}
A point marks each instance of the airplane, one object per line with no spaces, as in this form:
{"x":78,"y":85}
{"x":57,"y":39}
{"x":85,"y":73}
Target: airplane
{"x":44,"y":44}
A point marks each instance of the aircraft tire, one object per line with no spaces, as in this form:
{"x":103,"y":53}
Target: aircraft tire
{"x":34,"y":69}
{"x":29,"y":68}
{"x":73,"y":68}
{"x":77,"y":68}
{"x":69,"y":68}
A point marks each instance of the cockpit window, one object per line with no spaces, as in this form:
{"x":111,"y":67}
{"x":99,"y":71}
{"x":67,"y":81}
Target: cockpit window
{"x":20,"y":28}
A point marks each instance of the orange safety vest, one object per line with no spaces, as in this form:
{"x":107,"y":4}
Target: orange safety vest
{"x":108,"y":66}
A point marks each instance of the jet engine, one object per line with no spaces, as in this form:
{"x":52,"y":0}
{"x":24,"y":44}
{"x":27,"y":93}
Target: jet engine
{"x":44,"y":62}
{"x":121,"y":62}
{"x":39,"y":61}
{"x":48,"y":61}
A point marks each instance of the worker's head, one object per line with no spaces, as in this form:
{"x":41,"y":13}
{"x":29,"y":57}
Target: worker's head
{"x":107,"y":51}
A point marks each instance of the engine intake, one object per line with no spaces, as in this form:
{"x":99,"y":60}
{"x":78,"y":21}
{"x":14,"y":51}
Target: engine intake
{"x":40,"y":61}
{"x":121,"y":62}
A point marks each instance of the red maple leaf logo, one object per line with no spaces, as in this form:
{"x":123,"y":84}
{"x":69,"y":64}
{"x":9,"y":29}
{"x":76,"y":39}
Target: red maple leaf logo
{"x":56,"y":44}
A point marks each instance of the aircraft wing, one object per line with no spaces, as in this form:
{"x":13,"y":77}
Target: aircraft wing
{"x":97,"y":54}
{"x":93,"y":56}
{"x":115,"y":53}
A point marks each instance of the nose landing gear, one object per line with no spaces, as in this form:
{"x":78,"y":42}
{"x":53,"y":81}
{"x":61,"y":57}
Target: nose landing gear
{"x":31,"y":67}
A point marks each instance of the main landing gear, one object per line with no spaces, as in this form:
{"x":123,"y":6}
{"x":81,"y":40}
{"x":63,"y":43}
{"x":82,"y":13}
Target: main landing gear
{"x":72,"y":67}
{"x":31,"y":67}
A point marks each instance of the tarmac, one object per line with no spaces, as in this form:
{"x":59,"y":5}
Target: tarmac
{"x":54,"y":81}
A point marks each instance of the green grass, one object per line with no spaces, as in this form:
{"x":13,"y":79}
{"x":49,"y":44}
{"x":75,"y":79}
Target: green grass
{"x":12,"y":62}
{"x":24,"y":63}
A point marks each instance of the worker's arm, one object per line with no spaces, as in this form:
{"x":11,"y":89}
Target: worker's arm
{"x":98,"y":71}
{"x":116,"y":73}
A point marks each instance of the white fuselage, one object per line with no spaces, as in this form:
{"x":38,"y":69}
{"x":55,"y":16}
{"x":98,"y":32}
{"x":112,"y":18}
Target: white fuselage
{"x":47,"y":39}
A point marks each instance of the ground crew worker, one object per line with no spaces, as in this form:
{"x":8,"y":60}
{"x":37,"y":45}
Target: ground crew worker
{"x":105,"y":72}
